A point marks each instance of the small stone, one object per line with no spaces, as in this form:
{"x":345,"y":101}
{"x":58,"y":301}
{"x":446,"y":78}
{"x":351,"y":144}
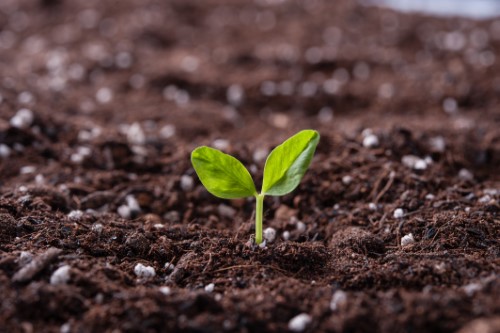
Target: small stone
{"x":430,"y":196}
{"x":437,"y":144}
{"x":398,"y":213}
{"x":263,"y":244}
{"x":301,"y":226}
{"x":167,"y":131}
{"x":23,"y":119}
{"x":465,"y":174}
{"x":142,"y":271}
{"x":372,"y":206}
{"x":187,"y":183}
{"x":27,"y":169}
{"x":75,"y":215}
{"x":270,"y":234}
{"x":471,"y":288}
{"x":65,"y":328}
{"x":132,"y":203}
{"x":97,"y":228}
{"x":235,"y":94}
{"x":169,"y":267}
{"x":104,"y":95}
{"x":209,"y":287}
{"x":221,"y":144}
{"x":61,"y":275}
{"x":286,"y":235}
{"x":485,"y":199}
{"x":339,"y":298}
{"x":165,"y":290}
{"x":299,"y":322}
{"x":414,"y":162}
{"x":407,"y":240}
{"x":260,"y":155}
{"x":346,"y":180}
{"x":135,"y":135}
{"x":226,"y":211}
{"x":124,"y":211}
{"x":4,"y":150}
{"x":370,"y":141}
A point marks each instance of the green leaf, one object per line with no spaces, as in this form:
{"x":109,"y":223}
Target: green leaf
{"x":222,"y":175}
{"x":288,"y":162}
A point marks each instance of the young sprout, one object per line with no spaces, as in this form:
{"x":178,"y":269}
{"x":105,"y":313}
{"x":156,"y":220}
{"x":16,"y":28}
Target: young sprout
{"x":226,"y":177}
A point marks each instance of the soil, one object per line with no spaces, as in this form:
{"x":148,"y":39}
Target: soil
{"x":100,"y":180}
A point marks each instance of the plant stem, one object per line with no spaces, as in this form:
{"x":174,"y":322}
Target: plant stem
{"x":258,"y":218}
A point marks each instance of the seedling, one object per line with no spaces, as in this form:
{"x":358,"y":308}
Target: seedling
{"x":226,"y":177}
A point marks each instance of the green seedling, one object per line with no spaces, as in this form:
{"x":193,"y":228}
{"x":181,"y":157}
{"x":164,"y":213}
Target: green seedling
{"x":225,"y":177}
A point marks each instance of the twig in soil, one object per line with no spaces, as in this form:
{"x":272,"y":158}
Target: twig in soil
{"x":387,"y":186}
{"x":28,"y":272}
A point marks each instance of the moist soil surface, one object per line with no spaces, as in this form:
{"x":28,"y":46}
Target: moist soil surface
{"x":95,"y":178}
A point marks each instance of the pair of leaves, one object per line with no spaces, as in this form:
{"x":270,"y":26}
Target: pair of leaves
{"x":225,"y":177}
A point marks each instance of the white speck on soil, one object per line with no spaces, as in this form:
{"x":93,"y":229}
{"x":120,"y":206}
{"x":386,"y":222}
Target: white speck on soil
{"x":299,"y":322}
{"x":187,"y":183}
{"x":135,"y":134}
{"x":4,"y":150}
{"x":124,"y":211}
{"x":169,"y":267}
{"x":485,"y":199}
{"x":27,"y":169}
{"x":471,"y":288}
{"x":25,"y":258}
{"x":465,"y":174}
{"x":104,"y":95}
{"x":286,"y":235}
{"x":346,"y":180}
{"x":75,"y":214}
{"x":370,"y":141}
{"x":226,"y":211}
{"x":339,"y":298}
{"x":209,"y":287}
{"x":97,"y":228}
{"x":260,"y":155}
{"x":263,"y":244}
{"x":398,"y":213}
{"x":437,"y":144}
{"x":372,"y":206}
{"x":167,"y":131}
{"x":325,"y":114}
{"x":220,"y":144}
{"x":407,"y":240}
{"x":235,"y":94}
{"x":270,"y":234}
{"x":132,"y":203}
{"x":430,"y":196}
{"x":414,"y":162}
{"x":450,"y":105}
{"x":301,"y":226}
{"x":165,"y":290}
{"x":142,"y":271}
{"x":65,"y":328}
{"x":61,"y":275}
{"x":22,"y":119}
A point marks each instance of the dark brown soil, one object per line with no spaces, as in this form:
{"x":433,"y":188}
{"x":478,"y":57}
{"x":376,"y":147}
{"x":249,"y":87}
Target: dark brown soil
{"x":121,"y":92}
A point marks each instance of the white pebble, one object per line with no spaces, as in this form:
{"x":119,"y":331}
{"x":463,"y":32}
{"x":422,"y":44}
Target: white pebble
{"x":430,"y":196}
{"x":414,"y":162}
{"x":132,"y":203}
{"x":484,"y":199}
{"x":65,"y":328}
{"x":235,"y":94}
{"x":398,"y":213}
{"x":286,"y":235}
{"x":263,"y":244}
{"x":260,"y":155}
{"x":25,"y":258}
{"x":339,"y":298}
{"x":167,"y":131}
{"x":372,"y":206}
{"x":144,"y":271}
{"x":299,"y":322}
{"x":465,"y":174}
{"x":471,"y":288}
{"x":407,"y":239}
{"x":270,"y":234}
{"x":190,"y":63}
{"x":23,"y":119}
{"x":209,"y":287}
{"x":75,"y":214}
{"x":370,"y":141}
{"x":450,"y":105}
{"x":124,"y":211}
{"x":97,"y":228}
{"x":221,"y":144}
{"x":135,"y":134}
{"x":4,"y":150}
{"x":226,"y":211}
{"x":27,"y":169}
{"x":438,"y":144}
{"x":165,"y":290}
{"x":104,"y":95}
{"x":61,"y":275}
{"x":346,"y":180}
{"x":169,"y":267}
{"x":187,"y":183}
{"x":301,"y":226}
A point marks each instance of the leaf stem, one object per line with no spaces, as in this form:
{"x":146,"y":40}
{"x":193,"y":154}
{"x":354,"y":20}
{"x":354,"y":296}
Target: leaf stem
{"x":258,"y":218}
